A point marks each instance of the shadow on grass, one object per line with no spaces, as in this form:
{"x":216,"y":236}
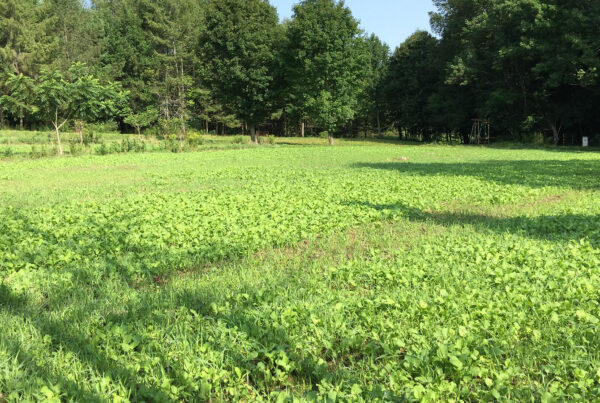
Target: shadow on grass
{"x":562,"y":227}
{"x":65,"y":334}
{"x":82,"y":326}
{"x":318,"y":141}
{"x":574,"y":174}
{"x":559,"y":149}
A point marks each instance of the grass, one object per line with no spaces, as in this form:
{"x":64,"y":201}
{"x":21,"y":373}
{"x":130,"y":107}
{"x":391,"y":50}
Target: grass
{"x":15,"y":144}
{"x":20,"y":144}
{"x":370,"y":271}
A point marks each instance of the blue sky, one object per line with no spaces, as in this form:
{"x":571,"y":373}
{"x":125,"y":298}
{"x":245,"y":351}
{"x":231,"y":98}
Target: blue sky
{"x":391,"y":20}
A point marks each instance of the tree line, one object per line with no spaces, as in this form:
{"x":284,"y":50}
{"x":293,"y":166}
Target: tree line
{"x":529,"y":67}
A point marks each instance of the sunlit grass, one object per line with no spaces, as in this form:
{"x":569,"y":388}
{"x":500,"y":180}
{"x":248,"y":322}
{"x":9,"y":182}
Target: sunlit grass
{"x":371,"y":270}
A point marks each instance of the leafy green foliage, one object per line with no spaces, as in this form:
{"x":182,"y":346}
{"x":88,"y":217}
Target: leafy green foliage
{"x":325,"y":61}
{"x":526,"y":65}
{"x":359,"y":274}
{"x":81,"y":97}
{"x":141,"y":120}
{"x":239,"y":40}
{"x":412,"y":77}
{"x":19,"y":97}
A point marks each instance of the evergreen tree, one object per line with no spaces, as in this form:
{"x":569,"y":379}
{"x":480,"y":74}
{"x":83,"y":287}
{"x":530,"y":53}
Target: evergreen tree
{"x":20,"y":39}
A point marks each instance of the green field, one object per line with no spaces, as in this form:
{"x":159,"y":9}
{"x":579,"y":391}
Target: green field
{"x":370,"y":271}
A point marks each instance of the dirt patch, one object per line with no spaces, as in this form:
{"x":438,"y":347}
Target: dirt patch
{"x":550,"y":199}
{"x":160,"y":280}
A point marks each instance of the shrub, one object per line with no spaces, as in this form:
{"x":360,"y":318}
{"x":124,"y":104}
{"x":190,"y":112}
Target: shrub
{"x":124,"y":146}
{"x":194,"y":139}
{"x":104,"y":127}
{"x":270,"y":139}
{"x":152,"y":132}
{"x":170,"y":143}
{"x":537,"y":138}
{"x":103,"y":149}
{"x":115,"y":148}
{"x":89,"y":137}
{"x":7,"y":152}
{"x":39,"y":151}
{"x":324,"y":134}
{"x":239,"y":140}
{"x":34,"y":153}
{"x":139,"y":146}
{"x":174,"y":146}
{"x":169,"y":127}
{"x":75,"y":147}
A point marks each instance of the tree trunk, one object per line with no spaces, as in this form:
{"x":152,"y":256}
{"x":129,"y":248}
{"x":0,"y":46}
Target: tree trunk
{"x":57,"y":128}
{"x":378,"y":124}
{"x":21,"y":122}
{"x":183,"y":133}
{"x":59,"y":146}
{"x":555,"y":132}
{"x":206,"y":125}
{"x":330,"y":139}
{"x":253,"y":133}
{"x":302,"y":129}
{"x":139,"y":132}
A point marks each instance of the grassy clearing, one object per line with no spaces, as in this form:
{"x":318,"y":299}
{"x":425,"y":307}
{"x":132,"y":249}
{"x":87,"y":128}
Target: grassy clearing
{"x":16,"y":144}
{"x":28,"y":144}
{"x":352,"y":273}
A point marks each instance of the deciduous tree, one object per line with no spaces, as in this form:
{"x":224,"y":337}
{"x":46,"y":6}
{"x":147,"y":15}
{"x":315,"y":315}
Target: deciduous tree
{"x":326,"y":62}
{"x":239,"y":48}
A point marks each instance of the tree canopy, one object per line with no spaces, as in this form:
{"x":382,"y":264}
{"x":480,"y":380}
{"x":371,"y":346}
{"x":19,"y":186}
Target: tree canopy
{"x":529,"y":67}
{"x":239,"y":42}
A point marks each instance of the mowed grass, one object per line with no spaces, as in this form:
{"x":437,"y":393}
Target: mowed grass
{"x":367,"y":272}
